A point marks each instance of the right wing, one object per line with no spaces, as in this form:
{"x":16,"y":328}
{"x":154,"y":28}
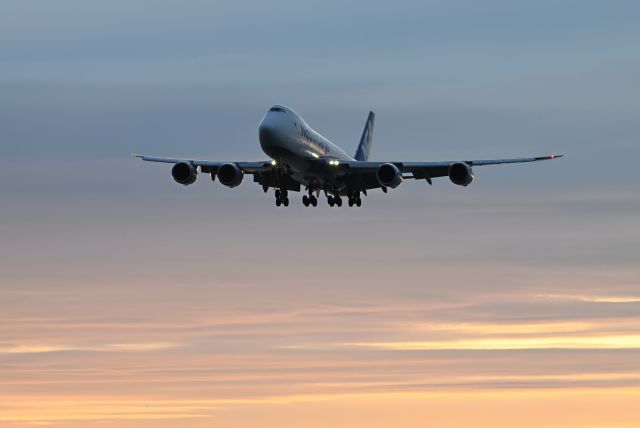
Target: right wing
{"x":264,"y":172}
{"x":213,"y":166}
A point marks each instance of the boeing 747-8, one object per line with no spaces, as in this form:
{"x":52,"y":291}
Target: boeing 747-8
{"x":302,"y":159}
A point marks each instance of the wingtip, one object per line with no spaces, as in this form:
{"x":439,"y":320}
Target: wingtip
{"x":135,"y":155}
{"x":550,"y":157}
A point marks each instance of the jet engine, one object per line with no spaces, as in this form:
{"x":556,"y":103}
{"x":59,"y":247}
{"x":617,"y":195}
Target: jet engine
{"x":230,"y":175}
{"x":461,"y":174}
{"x":389,"y":175}
{"x":184,"y":173}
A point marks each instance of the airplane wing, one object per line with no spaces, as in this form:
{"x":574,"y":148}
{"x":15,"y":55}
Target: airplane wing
{"x":363,"y":172}
{"x":213,"y":166}
{"x":355,"y":174}
{"x":263,"y":172}
{"x":439,"y":169}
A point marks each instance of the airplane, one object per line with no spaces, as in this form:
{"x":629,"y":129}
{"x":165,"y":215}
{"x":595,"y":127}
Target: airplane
{"x":301,"y":157}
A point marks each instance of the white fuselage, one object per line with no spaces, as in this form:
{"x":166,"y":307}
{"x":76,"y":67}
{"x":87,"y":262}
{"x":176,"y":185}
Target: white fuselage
{"x":286,"y":138}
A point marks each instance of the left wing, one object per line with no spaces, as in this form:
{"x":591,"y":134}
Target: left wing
{"x":439,"y":169}
{"x":363,"y":173}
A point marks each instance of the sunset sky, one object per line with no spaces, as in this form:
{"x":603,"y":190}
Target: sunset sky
{"x":127,"y":300}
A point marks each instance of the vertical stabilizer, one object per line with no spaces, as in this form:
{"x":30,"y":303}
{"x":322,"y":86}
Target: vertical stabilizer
{"x":362,"y":154}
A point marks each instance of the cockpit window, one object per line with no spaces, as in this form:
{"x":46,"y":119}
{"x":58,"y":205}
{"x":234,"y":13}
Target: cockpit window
{"x":280,"y":109}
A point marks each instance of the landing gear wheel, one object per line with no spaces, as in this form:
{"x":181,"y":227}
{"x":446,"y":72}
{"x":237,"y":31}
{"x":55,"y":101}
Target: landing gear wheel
{"x":330,"y":201}
{"x":358,"y":202}
{"x":277,"y":193}
{"x":350,"y":202}
{"x":313,"y":201}
{"x":305,"y":200}
{"x":338,"y":201}
{"x":278,"y":202}
{"x":285,"y":202}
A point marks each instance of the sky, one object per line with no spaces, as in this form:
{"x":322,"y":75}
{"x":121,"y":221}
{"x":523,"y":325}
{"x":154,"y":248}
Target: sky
{"x":131,"y":301}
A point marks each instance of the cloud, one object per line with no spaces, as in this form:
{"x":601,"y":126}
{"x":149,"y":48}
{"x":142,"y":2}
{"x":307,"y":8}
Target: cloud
{"x":511,"y":328}
{"x":109,"y":347}
{"x":594,"y":299}
{"x":601,"y":342}
{"x":445,"y":405}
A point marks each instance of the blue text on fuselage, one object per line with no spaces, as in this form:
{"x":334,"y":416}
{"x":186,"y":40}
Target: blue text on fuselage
{"x":308,"y":136}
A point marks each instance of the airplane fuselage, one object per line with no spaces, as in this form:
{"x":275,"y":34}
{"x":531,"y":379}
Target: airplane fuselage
{"x":287,"y":139}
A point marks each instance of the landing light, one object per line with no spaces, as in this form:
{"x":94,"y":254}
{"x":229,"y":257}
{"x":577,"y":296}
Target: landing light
{"x":334,"y":162}
{"x":274,"y":163}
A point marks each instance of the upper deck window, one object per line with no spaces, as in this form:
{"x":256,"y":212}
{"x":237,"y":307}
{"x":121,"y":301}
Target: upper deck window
{"x":280,"y":109}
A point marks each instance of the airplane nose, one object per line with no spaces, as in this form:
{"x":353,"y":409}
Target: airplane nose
{"x":268,"y":139}
{"x":267,"y":133}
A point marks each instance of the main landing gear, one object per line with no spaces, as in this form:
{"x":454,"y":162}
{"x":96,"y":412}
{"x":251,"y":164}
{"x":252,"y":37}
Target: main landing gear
{"x":282,"y":197}
{"x":310,"y":200}
{"x":334,"y":201}
{"x":353,"y":200}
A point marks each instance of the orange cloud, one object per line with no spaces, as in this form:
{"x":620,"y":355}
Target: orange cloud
{"x":594,"y":299}
{"x":545,"y":342}
{"x":496,"y":409}
{"x":110,"y":347}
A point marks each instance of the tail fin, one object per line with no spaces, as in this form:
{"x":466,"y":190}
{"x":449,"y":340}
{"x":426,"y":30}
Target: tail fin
{"x":362,"y":154}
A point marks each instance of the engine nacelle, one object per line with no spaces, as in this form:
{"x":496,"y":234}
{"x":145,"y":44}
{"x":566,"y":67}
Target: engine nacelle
{"x":461,"y":174}
{"x":230,"y":175}
{"x":389,"y":175}
{"x":184,"y":173}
